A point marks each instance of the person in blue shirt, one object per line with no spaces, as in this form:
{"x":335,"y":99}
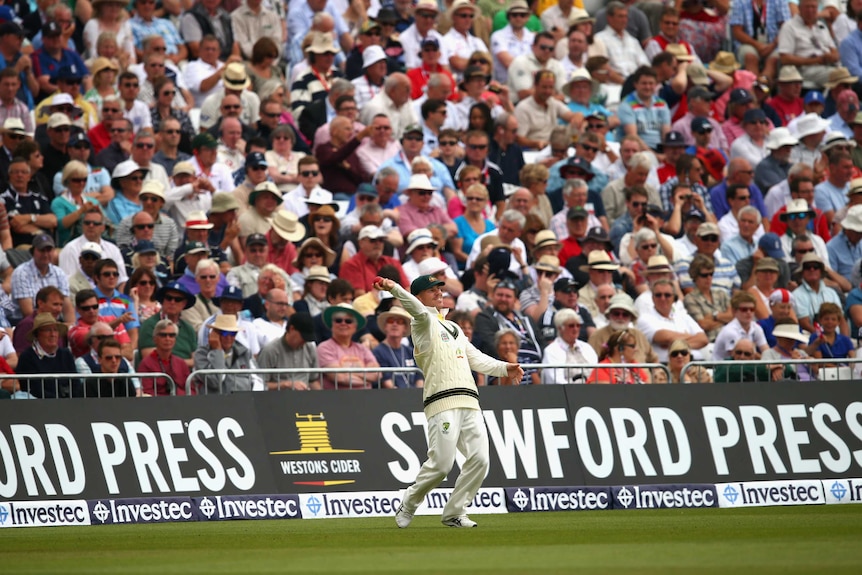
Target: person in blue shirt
{"x":642,"y":113}
{"x":51,"y":58}
{"x":127,"y":179}
{"x":827,"y":341}
{"x":114,"y":306}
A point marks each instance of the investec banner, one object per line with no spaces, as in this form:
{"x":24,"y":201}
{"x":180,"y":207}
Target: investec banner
{"x":249,"y":444}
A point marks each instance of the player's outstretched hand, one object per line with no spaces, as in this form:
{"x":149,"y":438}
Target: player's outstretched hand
{"x":383,"y":284}
{"x":515,"y":371}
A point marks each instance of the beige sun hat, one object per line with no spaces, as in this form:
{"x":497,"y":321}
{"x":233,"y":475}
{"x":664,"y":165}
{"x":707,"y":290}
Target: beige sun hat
{"x":287,"y":226}
{"x":397,"y":312}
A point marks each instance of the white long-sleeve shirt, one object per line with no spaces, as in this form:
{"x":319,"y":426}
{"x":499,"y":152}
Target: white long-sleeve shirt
{"x":446,"y":358}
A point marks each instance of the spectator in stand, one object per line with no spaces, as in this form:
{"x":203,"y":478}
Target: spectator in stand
{"x":569,"y":350}
{"x":752,"y":144}
{"x":511,"y":41}
{"x":395,"y":325}
{"x":361,"y":269}
{"x":707,"y":242}
{"x":812,"y":293}
{"x":789,"y":342}
{"x":666,"y":325}
{"x":430,"y":63}
{"x":163,"y":360}
{"x":807,"y":43}
{"x":393,"y":102}
{"x":224,"y":353}
{"x":828,"y":342}
{"x":341,"y":351}
{"x":845,"y":249}
{"x":45,"y":355}
{"x":831,"y":194}
{"x":340,"y":165}
{"x":105,"y":358}
{"x":418,"y":212}
{"x":774,"y":168}
{"x":538,"y":114}
{"x":788,"y":102}
{"x":739,"y":172}
{"x":295,"y":349}
{"x":620,"y":348}
{"x":741,"y":327}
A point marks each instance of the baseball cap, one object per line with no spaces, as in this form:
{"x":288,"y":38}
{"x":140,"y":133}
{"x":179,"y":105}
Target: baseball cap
{"x":43,"y":241}
{"x":145,"y":247}
{"x":741,"y":96}
{"x":566,"y":285}
{"x":371,"y":233}
{"x":51,"y":29}
{"x":183,"y":168}
{"x":196,"y":247}
{"x":707,"y":229}
{"x":752,"y":116}
{"x":430,"y":43}
{"x":423,"y":283}
{"x":92,"y":248}
{"x":366,"y":189}
{"x":577,"y":163}
{"x":577,"y":213}
{"x":701,"y":125}
{"x":597,"y":234}
{"x":767,"y":265}
{"x":674,"y":140}
{"x":411,"y":129}
{"x":256,"y":240}
{"x":699,"y":93}
{"x":695,"y":213}
{"x":815,"y":97}
{"x":58,"y":120}
{"x":230,"y":293}
{"x":70,"y":72}
{"x":256,"y":160}
{"x":79,"y":138}
{"x":10,"y":27}
{"x":205,"y":140}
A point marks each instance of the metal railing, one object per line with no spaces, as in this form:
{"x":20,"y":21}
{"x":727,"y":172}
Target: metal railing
{"x":757,"y":370}
{"x":74,"y":385}
{"x":213,"y":380}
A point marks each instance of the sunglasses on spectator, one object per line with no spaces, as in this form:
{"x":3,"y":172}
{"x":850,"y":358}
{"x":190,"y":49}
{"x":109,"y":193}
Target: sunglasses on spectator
{"x":478,"y":146}
{"x":325,"y":219}
{"x":448,"y":142}
{"x":808,"y":251}
{"x":92,"y":223}
{"x":662,"y":295}
{"x":347,"y":320}
{"x":169,"y":93}
{"x":709,"y":238}
{"x":110,"y":274}
{"x":797,"y":216}
{"x":679,"y":352}
{"x":78,"y":180}
{"x":144,"y":226}
{"x":706,"y":274}
{"x":589,"y":148}
{"x":166,"y":334}
{"x":809,"y":267}
{"x":648,"y":246}
{"x":175,"y":298}
{"x":146,"y":283}
{"x":743,"y":353}
{"x":93,"y":307}
{"x":309,"y":173}
{"x":746,"y":309}
{"x":144,"y":146}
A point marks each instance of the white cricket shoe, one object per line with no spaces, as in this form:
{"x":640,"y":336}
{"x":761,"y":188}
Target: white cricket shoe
{"x":460,"y":521}
{"x":403,"y":517}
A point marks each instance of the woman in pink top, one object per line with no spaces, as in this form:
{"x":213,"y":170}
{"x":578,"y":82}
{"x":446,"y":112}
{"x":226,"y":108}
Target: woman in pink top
{"x":341,"y":351}
{"x":620,"y":348}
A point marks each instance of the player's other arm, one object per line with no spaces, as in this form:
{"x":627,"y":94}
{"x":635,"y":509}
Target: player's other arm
{"x":483,"y":363}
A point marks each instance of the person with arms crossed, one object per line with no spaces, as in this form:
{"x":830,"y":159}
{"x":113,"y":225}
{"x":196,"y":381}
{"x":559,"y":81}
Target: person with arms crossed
{"x":447,"y":359}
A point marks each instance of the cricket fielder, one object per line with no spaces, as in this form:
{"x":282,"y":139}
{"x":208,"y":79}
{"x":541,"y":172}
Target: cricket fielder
{"x":451,"y":400}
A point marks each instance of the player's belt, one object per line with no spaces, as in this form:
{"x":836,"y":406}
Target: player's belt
{"x":451,"y":393}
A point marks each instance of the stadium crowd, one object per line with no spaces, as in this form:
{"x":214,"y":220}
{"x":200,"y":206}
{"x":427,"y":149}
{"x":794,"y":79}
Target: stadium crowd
{"x":215,"y":184}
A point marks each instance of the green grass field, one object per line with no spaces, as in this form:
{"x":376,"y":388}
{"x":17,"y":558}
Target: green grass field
{"x":814,"y":539}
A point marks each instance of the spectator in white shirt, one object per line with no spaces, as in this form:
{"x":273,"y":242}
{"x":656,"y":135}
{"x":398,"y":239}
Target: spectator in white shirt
{"x":203,"y":76}
{"x":624,"y":51}
{"x":569,"y":350}
{"x":511,"y":41}
{"x":459,"y":43}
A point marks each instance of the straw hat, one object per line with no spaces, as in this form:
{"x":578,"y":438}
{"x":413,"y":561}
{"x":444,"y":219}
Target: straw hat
{"x":235,"y":77}
{"x":226,"y":322}
{"x":397,"y":312}
{"x":45,"y":320}
{"x":600,"y":260}
{"x":725,"y":62}
{"x":287,"y":226}
{"x":548,"y":264}
{"x":544,"y":239}
{"x":840,"y":75}
{"x":624,"y":302}
{"x":789,"y":74}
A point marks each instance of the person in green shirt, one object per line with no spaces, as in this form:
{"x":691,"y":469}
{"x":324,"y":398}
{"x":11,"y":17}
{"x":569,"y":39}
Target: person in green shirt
{"x":174,"y":299}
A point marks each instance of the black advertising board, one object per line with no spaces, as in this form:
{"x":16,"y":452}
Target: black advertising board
{"x":105,"y":448}
{"x":543,"y":436}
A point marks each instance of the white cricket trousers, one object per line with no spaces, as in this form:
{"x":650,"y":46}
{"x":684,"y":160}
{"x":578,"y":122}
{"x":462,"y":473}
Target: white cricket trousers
{"x":455,"y":429}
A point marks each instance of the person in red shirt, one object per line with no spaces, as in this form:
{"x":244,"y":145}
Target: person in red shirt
{"x":430,"y":55}
{"x":362,"y":268}
{"x":788,"y":103}
{"x":577,"y":220}
{"x":100,"y":134}
{"x":802,"y":187}
{"x":673,"y":147}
